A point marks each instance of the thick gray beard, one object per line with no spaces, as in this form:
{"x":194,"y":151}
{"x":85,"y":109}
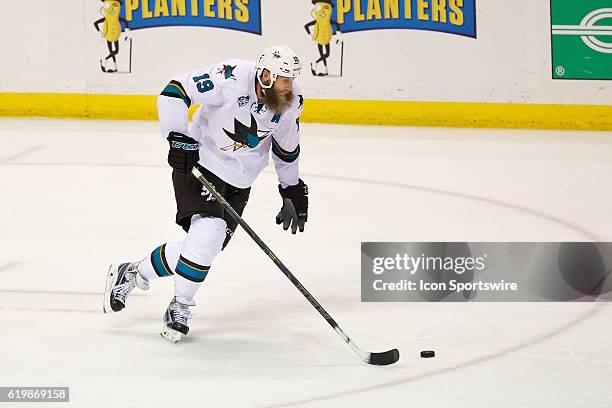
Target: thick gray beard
{"x":273,"y":100}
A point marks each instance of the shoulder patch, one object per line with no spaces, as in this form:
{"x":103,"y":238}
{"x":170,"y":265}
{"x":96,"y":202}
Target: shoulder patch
{"x":227,"y":71}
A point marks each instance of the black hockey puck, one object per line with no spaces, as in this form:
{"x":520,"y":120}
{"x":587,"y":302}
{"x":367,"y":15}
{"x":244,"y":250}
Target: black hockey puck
{"x":428,"y":353}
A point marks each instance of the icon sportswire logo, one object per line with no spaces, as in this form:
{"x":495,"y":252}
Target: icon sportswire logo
{"x":589,"y":31}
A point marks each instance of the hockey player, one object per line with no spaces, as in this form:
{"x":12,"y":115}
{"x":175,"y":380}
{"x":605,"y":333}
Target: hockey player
{"x":247,"y":109}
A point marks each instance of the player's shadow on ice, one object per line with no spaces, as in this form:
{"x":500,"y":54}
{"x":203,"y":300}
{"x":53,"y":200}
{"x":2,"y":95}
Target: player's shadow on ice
{"x":215,"y":346}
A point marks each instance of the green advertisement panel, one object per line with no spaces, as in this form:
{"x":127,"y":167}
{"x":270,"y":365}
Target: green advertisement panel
{"x":581,"y":39}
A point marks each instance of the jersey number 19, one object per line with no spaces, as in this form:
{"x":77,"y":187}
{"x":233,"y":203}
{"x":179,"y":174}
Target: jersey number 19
{"x":203,"y":83}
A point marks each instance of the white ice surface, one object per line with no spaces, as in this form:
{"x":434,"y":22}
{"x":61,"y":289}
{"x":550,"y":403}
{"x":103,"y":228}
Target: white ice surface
{"x":78,"y":195}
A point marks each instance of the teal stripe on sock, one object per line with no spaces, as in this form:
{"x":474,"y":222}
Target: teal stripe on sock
{"x":191,"y":271}
{"x":158,"y":259}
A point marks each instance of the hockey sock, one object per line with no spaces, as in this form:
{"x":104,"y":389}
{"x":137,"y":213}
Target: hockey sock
{"x":202,"y":245}
{"x":162,"y":261}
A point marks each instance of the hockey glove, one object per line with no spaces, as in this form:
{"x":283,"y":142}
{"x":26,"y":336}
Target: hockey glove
{"x":295,"y":207}
{"x":184,"y":152}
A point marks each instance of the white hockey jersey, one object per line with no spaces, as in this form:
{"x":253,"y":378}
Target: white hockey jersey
{"x":235,"y":129}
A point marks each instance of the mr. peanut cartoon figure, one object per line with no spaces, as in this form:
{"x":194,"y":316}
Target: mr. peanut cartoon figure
{"x":111,"y":31}
{"x":322,"y":32}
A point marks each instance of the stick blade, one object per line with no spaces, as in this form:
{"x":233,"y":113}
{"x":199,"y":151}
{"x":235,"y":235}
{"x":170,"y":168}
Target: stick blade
{"x":384,"y":358}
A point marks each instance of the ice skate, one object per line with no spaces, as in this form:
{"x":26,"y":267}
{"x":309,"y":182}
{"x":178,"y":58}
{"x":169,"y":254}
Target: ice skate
{"x":120,"y":281}
{"x":175,"y":319}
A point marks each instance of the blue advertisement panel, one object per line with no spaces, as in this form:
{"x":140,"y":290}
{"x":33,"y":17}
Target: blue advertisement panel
{"x":240,"y":15}
{"x":448,"y":16}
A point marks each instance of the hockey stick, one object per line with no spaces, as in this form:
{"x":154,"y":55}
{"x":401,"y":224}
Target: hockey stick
{"x":384,"y":358}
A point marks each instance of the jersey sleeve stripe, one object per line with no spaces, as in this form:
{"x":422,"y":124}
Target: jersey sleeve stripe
{"x":284,"y":155}
{"x":179,"y":86}
{"x":175,"y":90}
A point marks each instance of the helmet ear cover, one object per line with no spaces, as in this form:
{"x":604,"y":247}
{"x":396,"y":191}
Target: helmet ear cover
{"x":272,"y":78}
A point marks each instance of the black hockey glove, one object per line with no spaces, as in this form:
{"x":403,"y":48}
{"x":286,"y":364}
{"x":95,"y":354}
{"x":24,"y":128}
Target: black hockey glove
{"x":184,"y":152}
{"x":295,"y":207}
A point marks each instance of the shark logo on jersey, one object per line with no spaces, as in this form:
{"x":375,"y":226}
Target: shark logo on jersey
{"x":243,"y":100}
{"x":245,"y":136}
{"x":227,"y":71}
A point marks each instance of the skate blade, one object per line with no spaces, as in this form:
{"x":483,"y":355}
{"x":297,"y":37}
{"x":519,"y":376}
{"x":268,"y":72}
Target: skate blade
{"x":171,"y":335}
{"x":111,"y":276}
